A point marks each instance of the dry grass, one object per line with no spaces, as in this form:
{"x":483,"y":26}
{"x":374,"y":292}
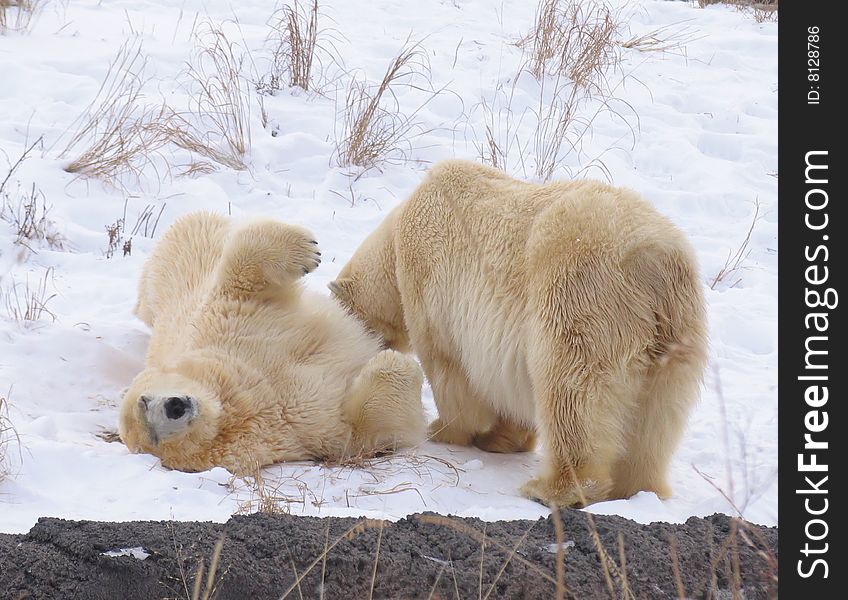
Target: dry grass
{"x":761,"y":10}
{"x":727,"y":555}
{"x":574,"y":39}
{"x":14,"y":166}
{"x":8,"y":438}
{"x":201,"y":588}
{"x":374,"y":128}
{"x":115,"y":238}
{"x":261,"y":491}
{"x":563,"y":118}
{"x":27,"y":303}
{"x":572,"y":52}
{"x":217,"y":126}
{"x":147,"y":221}
{"x":118,"y":135}
{"x":29,"y":217}
{"x":27,"y":210}
{"x":207,"y":590}
{"x":726,"y":558}
{"x":19,"y":15}
{"x":484,"y":540}
{"x":354,"y":530}
{"x":500,"y":139}
{"x":671,"y":39}
{"x":294,"y":42}
{"x":734,"y":264}
{"x":269,"y":496}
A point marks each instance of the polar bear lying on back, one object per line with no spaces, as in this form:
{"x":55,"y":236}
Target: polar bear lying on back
{"x":572,"y":309}
{"x":245,"y":368}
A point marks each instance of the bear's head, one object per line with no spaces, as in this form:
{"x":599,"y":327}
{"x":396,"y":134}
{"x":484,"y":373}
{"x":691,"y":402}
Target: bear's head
{"x":169,"y":415}
{"x":367,"y":287}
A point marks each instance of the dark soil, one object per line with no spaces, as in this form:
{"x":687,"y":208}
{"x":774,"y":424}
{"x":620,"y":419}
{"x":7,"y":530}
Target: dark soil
{"x":263,"y":555}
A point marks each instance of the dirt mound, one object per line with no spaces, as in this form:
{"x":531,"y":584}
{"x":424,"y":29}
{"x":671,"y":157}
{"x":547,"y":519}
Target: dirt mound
{"x":423,"y":556}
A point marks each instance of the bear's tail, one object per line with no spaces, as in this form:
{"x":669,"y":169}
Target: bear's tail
{"x":384,"y":406}
{"x":265,"y":254}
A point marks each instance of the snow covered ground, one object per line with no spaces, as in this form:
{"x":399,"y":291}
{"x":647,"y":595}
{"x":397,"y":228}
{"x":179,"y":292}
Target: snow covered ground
{"x":694,"y":130}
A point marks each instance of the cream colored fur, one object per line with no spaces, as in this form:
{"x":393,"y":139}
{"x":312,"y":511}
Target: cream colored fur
{"x":571,"y":309}
{"x":245,"y":368}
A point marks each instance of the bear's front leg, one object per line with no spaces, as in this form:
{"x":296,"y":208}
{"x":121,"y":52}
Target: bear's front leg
{"x":266,"y":253}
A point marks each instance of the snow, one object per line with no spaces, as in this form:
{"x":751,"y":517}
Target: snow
{"x":137,"y":552}
{"x":697,"y":135}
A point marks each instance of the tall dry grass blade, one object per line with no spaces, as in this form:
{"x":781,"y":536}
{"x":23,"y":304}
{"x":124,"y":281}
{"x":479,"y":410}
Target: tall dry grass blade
{"x":735,"y":260}
{"x":198,"y":580}
{"x":482,"y":554}
{"x":559,"y":531}
{"x":294,"y":570}
{"x":178,"y":555}
{"x":324,"y":560}
{"x":211,"y":584}
{"x":675,"y":569}
{"x":625,"y":584}
{"x":436,"y":582}
{"x":376,"y":560}
{"x":611,"y":570}
{"x":508,"y":559}
{"x":351,"y":532}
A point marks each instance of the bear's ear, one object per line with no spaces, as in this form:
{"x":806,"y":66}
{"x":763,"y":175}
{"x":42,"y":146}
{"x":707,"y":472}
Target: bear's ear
{"x":340,"y":288}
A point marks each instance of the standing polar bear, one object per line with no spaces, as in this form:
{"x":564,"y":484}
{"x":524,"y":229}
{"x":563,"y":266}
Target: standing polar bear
{"x":245,"y":368}
{"x":572,"y":309}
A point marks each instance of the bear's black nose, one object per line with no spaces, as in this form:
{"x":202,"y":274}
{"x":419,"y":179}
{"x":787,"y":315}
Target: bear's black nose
{"x":176,"y":407}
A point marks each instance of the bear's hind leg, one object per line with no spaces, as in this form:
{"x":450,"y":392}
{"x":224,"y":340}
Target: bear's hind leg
{"x":585,"y":391}
{"x":581,"y":436}
{"x":384,"y":405}
{"x":665,"y":401}
{"x":462,"y":414}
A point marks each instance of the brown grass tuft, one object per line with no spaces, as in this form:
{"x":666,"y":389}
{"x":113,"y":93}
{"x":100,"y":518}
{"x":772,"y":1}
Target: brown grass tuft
{"x":573,"y":50}
{"x":761,"y":10}
{"x":217,"y":126}
{"x":28,"y":212}
{"x":27,"y":303}
{"x":575,"y":39}
{"x":374,"y":129}
{"x":29,"y":217}
{"x":118,"y":135}
{"x":294,"y":40}
{"x":19,"y":15}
